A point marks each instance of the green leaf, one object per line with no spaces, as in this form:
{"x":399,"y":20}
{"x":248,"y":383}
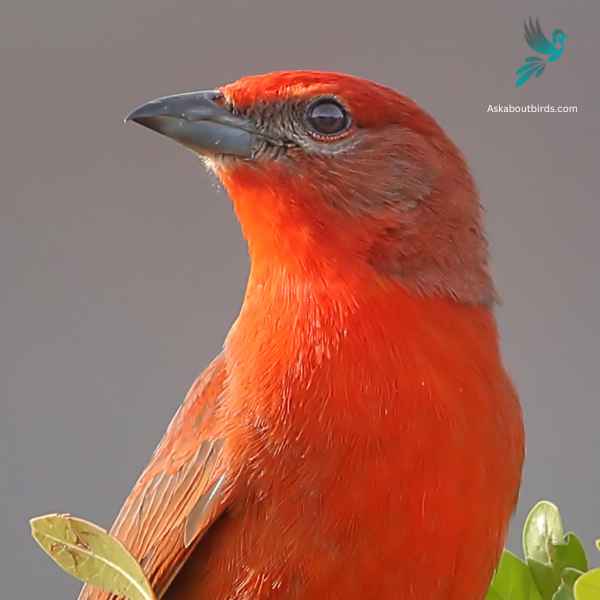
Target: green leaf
{"x":89,"y":553}
{"x":492,"y":595}
{"x":512,"y":580}
{"x":542,"y":527}
{"x":550,"y":553}
{"x":568,"y":553}
{"x":587,"y":587}
{"x":546,"y":578}
{"x":564,"y":592}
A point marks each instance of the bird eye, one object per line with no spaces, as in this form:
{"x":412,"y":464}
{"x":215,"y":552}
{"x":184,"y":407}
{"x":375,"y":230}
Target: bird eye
{"x":327,"y":117}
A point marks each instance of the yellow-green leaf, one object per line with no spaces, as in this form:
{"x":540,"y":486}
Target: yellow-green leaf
{"x":587,"y":587}
{"x":542,"y":527}
{"x":89,"y":553}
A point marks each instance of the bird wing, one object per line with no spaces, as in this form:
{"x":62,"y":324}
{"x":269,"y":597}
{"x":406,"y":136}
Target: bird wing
{"x":536,"y":39}
{"x":181,"y":493}
{"x":533,"y":66}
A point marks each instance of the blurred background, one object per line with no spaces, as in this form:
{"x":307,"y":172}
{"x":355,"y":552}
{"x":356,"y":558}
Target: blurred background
{"x":122,"y":266}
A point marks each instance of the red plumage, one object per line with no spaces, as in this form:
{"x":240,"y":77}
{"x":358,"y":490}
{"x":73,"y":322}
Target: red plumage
{"x":358,"y":437}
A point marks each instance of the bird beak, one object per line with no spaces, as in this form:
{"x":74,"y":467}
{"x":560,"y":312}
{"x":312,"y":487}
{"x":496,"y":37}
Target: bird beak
{"x":196,"y":121}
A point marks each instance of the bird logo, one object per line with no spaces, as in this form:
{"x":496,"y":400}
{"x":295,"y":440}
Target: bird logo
{"x":537,"y":41}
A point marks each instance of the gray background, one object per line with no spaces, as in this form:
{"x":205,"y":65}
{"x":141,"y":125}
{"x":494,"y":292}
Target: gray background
{"x":122,"y":266}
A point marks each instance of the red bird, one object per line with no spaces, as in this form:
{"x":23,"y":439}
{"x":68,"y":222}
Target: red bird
{"x":358,"y":437}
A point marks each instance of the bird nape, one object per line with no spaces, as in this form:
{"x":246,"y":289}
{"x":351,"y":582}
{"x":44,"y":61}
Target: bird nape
{"x":358,"y":436}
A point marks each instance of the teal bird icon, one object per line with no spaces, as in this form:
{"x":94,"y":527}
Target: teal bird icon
{"x":537,"y":41}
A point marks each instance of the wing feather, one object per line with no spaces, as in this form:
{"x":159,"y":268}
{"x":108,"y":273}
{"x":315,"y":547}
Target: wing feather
{"x":535,"y":38}
{"x":181,"y":492}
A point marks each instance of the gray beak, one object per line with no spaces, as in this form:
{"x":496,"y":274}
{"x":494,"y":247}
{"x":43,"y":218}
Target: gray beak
{"x":196,"y":121}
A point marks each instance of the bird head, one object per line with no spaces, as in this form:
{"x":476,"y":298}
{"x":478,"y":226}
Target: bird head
{"x":333,"y":176}
{"x":559,"y":37}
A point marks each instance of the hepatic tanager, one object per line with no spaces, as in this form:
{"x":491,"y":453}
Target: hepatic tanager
{"x":358,"y":436}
